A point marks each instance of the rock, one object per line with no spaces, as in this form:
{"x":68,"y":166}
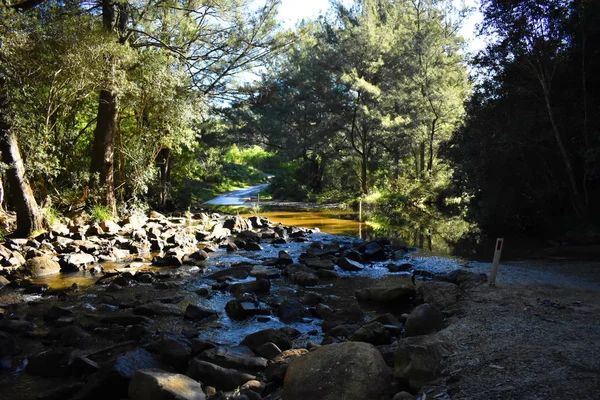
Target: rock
{"x":268,"y":350}
{"x":403,"y":396}
{"x":462,"y":278}
{"x":16,"y":326}
{"x":197,"y":313}
{"x":50,"y":363}
{"x":3,"y":282}
{"x":402,"y":267}
{"x":112,"y":381}
{"x":218,"y":233}
{"x":259,"y":286}
{"x":200,"y":345}
{"x":317,"y":263}
{"x":8,"y":345}
{"x":400,"y":295}
{"x":276,"y":336}
{"x":373,"y":332}
{"x":169,"y":260}
{"x":348,"y":265}
{"x":230,"y":246}
{"x":242,"y":309}
{"x":155,"y":384}
{"x":176,"y":353}
{"x":227,"y":359}
{"x":439,"y":294}
{"x":219,"y":377}
{"x":291,"y":311}
{"x":418,"y":359}
{"x":70,"y":335}
{"x":374,"y":252}
{"x":125,"y":319}
{"x":252,"y":246}
{"x":278,"y":367}
{"x":423,"y":320}
{"x":75,"y":262}
{"x":41,"y":265}
{"x":236,"y":224}
{"x":349,"y":371}
{"x":156,"y":308}
{"x":237,"y":272}
{"x":249,"y":236}
{"x":304,"y":278}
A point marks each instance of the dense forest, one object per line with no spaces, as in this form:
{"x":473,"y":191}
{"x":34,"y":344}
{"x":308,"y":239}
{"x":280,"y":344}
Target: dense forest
{"x":116,"y":106}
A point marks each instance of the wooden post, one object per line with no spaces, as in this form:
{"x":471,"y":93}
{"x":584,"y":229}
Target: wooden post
{"x":360,"y":209}
{"x":496,"y":261}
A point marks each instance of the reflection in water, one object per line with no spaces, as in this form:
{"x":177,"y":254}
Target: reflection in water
{"x":431,"y":232}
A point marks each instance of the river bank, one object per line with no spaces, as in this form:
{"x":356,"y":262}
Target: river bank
{"x":220,"y":307}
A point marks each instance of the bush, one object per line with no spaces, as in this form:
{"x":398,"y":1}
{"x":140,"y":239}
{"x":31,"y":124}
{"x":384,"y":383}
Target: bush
{"x":101,"y":213}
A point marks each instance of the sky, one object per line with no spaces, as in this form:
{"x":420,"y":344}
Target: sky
{"x":293,"y":11}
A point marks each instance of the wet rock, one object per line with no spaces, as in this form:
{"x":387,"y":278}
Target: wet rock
{"x":350,"y":315}
{"x":197,"y":313}
{"x":81,"y":366}
{"x":402,"y":267}
{"x":244,"y":308}
{"x":423,"y":320}
{"x":253,"y":246}
{"x":172,"y":259}
{"x":278,"y":367}
{"x":176,"y":353}
{"x":3,"y":282}
{"x":70,"y":335}
{"x":199,"y":255}
{"x":155,"y":384}
{"x":8,"y":345}
{"x":112,"y":381}
{"x":237,"y":272}
{"x":373,"y":332}
{"x":236,"y":224}
{"x":50,"y":363}
{"x":291,"y":311}
{"x":268,"y":350}
{"x":276,"y":336}
{"x":350,"y":371}
{"x":403,"y":396}
{"x":41,"y":265}
{"x":317,"y":263}
{"x":16,"y":326}
{"x":349,"y":265}
{"x":401,"y":294}
{"x":311,"y":299}
{"x":125,"y":319}
{"x":228,"y":359}
{"x":200,"y":345}
{"x":259,"y":286}
{"x":219,"y":377}
{"x":303,"y":278}
{"x":327,"y":275}
{"x":439,"y":294}
{"x":264,"y":272}
{"x":284,"y":258}
{"x":230,"y":246}
{"x":157,"y":308}
{"x":418,"y":359}
{"x":249,"y":236}
{"x":374,"y":252}
{"x":75,"y":262}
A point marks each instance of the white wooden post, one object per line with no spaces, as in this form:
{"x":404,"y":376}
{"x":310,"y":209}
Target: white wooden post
{"x":496,"y":261}
{"x":360,"y":209}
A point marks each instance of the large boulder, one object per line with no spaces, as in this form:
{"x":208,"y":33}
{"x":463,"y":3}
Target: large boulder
{"x":423,"y":320}
{"x":291,"y":310}
{"x":349,"y":371}
{"x":75,"y":262}
{"x":440,"y":294}
{"x":277,"y":336}
{"x":226,"y":358}
{"x":155,"y":384}
{"x":41,"y":265}
{"x":418,"y":359}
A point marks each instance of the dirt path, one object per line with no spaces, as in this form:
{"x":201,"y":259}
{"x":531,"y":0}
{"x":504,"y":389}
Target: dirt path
{"x":517,"y":341}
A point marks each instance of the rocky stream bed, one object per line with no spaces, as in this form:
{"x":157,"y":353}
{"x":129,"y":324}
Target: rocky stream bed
{"x":214,"y":306}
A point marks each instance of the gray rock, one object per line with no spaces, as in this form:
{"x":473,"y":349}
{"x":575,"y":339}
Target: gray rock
{"x":155,"y":384}
{"x":228,"y":359}
{"x":349,"y":265}
{"x":219,"y":377}
{"x":157,"y":308}
{"x":176,"y":353}
{"x":349,"y":371}
{"x":75,"y":262}
{"x":41,"y":265}
{"x":197,"y":313}
{"x":440,"y":294}
{"x":401,"y":294}
{"x":259,"y":286}
{"x":304,"y":278}
{"x":423,"y":320}
{"x":418,"y":359}
{"x":291,"y":310}
{"x":276,"y":336}
{"x":373,"y":332}
{"x":268,"y":350}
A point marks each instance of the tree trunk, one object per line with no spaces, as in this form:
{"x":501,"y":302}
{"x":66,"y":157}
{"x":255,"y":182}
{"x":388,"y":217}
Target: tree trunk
{"x":431,"y":139}
{"x":29,"y":216}
{"x":164,"y":162}
{"x":363,"y":174}
{"x":422,"y":156}
{"x":103,"y":148}
{"x":578,"y":202}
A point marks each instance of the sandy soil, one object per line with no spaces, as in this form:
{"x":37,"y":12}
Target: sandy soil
{"x":524,"y":341}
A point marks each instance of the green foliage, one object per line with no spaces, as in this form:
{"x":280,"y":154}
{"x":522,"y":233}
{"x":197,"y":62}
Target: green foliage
{"x":101,"y":213}
{"x":53,"y":216}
